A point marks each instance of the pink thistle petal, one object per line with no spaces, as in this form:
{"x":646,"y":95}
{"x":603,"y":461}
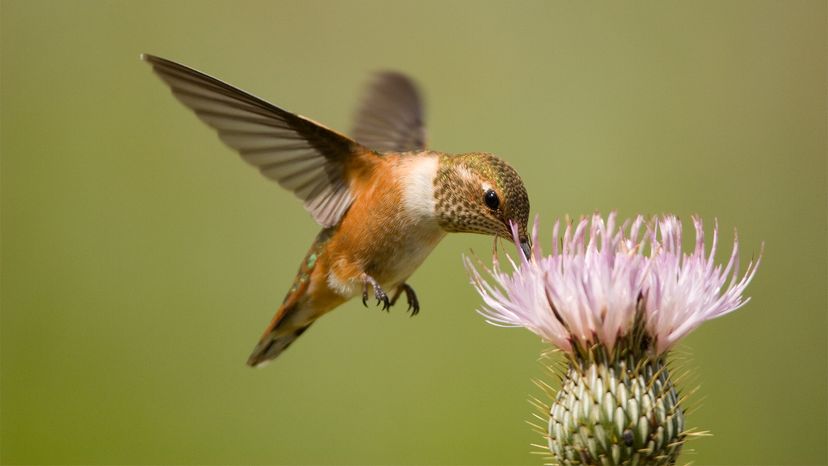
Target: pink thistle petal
{"x":587,"y":290}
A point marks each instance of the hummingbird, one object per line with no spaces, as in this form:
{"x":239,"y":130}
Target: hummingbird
{"x":383,"y":200}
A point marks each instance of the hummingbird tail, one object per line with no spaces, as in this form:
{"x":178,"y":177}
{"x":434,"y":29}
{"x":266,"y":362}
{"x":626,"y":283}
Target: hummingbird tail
{"x":295,"y":315}
{"x":287,"y":325}
{"x":272,"y":344}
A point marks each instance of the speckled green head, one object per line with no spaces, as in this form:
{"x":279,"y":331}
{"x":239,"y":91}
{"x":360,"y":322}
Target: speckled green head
{"x":480,"y":193}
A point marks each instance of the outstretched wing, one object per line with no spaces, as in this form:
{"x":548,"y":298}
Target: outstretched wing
{"x":390,"y":118}
{"x":298,"y":153}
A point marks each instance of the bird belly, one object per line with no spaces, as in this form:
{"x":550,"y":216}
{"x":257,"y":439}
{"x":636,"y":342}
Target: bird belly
{"x":402,"y":259}
{"x":389,"y":259}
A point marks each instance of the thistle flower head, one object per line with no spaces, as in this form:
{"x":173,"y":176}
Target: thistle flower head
{"x":615,"y":300}
{"x":600,"y":278}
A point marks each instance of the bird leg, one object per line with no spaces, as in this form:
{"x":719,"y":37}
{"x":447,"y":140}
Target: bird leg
{"x":378,"y":292}
{"x":410,"y":296}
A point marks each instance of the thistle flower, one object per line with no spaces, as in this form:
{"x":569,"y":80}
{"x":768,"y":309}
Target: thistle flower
{"x":615,"y":301}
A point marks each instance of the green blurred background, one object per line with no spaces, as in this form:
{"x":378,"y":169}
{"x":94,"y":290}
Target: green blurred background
{"x":141,"y":258}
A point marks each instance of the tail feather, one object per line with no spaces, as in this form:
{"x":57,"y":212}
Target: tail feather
{"x":286,"y":326}
{"x":294,"y":316}
{"x":272,"y":345}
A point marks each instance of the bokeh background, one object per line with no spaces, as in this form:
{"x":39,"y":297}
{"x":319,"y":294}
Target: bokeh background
{"x":141,"y":258}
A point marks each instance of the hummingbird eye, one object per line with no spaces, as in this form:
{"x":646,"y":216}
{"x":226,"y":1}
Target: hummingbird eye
{"x":491,"y":199}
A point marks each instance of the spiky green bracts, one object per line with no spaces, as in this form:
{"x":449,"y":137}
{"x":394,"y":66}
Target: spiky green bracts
{"x":615,"y":409}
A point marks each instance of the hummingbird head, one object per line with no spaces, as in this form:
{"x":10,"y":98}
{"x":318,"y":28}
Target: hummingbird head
{"x":480,"y":193}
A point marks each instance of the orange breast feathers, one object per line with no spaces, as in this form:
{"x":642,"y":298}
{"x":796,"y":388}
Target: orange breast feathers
{"x":378,"y":236}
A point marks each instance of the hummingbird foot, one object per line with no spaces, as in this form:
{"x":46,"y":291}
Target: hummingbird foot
{"x":410,"y":296}
{"x":379,"y":293}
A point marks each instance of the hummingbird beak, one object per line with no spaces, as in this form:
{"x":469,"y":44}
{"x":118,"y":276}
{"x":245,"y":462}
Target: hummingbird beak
{"x":522,"y":238}
{"x":526,"y":247}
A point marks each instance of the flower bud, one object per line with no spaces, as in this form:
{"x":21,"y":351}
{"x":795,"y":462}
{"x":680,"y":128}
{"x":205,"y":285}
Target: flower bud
{"x":613,"y":411}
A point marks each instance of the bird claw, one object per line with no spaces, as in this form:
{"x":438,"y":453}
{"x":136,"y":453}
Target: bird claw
{"x":379,"y":293}
{"x":410,"y":296}
{"x":382,"y":298}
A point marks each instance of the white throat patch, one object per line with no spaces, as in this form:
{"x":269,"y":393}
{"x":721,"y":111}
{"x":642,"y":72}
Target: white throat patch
{"x":418,"y":191}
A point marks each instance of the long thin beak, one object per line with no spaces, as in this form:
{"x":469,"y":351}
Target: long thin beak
{"x":526,"y":247}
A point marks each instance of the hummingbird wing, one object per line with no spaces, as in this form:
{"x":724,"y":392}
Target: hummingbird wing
{"x":391,"y":117}
{"x":296,"y":152}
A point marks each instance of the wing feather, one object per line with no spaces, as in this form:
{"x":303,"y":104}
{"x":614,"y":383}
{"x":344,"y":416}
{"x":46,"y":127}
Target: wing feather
{"x":391,"y":117}
{"x":299,"y":154}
